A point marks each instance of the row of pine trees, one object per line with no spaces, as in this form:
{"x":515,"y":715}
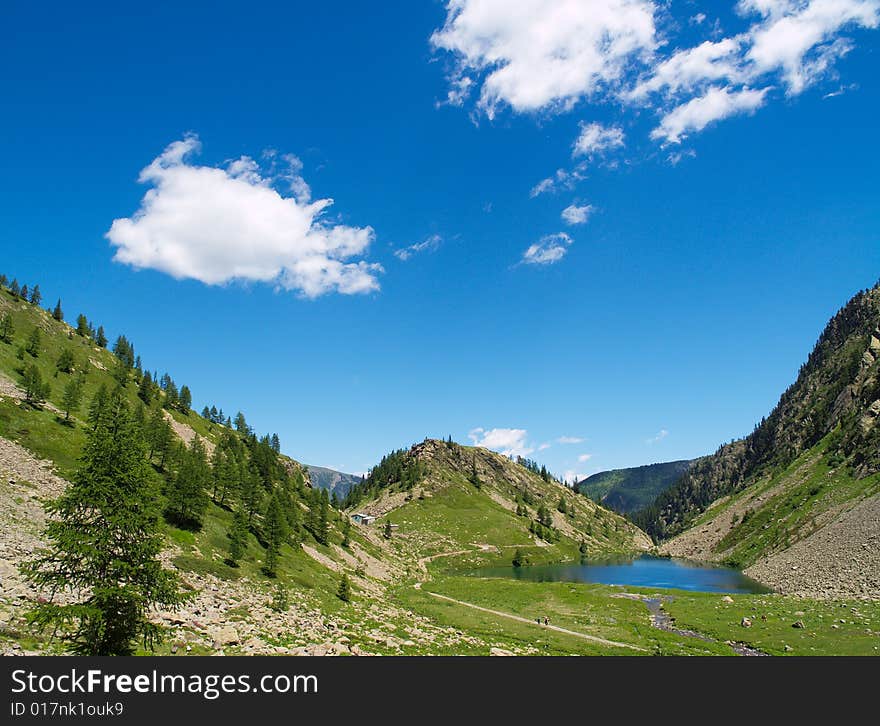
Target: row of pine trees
{"x":105,"y":531}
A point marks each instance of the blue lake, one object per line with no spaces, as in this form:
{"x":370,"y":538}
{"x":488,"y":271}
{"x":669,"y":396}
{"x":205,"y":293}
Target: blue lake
{"x":644,"y":571}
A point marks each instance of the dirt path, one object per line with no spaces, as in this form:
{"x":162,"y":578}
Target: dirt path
{"x":528,"y":621}
{"x":423,"y":562}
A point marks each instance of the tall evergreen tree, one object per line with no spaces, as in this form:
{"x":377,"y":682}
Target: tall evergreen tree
{"x":24,"y":292}
{"x":105,"y":545}
{"x":57,"y":312}
{"x":36,"y":391}
{"x":274,"y":533}
{"x":159,"y":436}
{"x":100,"y":337}
{"x":7,"y":328}
{"x":33,"y":343}
{"x":66,"y":362}
{"x":72,"y":396}
{"x":36,"y":296}
{"x":238,"y":536}
{"x":187,"y":493}
{"x":344,"y":591}
{"x":184,"y":401}
{"x":82,"y":326}
{"x":14,"y":288}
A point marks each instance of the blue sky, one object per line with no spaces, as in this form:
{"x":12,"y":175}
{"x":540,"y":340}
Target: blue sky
{"x":720,"y":175}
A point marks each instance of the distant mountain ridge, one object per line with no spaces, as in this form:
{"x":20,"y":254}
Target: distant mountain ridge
{"x":631,"y":489}
{"x":335,"y":482}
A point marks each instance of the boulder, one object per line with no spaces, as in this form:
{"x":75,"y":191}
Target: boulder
{"x":227,"y":635}
{"x":746,"y":622}
{"x":500,"y":652}
{"x":727,"y":598}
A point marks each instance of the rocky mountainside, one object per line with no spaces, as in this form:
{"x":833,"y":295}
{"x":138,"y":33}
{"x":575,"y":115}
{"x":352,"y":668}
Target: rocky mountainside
{"x":632,"y":489}
{"x":335,"y":482}
{"x":796,"y":500}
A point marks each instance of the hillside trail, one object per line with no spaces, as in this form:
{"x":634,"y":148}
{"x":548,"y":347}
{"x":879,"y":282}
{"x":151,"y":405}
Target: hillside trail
{"x":423,"y":564}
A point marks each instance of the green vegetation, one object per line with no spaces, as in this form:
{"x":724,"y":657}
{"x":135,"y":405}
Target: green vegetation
{"x":629,"y":490}
{"x":105,"y":544}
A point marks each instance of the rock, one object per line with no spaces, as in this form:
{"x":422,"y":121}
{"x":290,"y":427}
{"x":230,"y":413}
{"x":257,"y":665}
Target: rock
{"x":746,"y":622}
{"x":798,"y":624}
{"x":500,"y":652}
{"x":227,"y":635}
{"x":788,"y":649}
{"x":727,"y":598}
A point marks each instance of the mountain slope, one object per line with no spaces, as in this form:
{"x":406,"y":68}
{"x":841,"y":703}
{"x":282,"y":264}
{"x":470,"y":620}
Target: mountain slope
{"x":430,"y":492}
{"x":335,"y":482}
{"x":813,"y":461}
{"x":629,"y":490}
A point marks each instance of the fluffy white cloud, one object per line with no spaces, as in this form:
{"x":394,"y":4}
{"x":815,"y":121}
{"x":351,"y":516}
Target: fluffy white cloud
{"x":535,"y":54}
{"x":596,"y":139}
{"x":509,"y":442}
{"x":569,"y":440}
{"x":428,"y":245}
{"x":696,"y":114}
{"x":574,"y":214}
{"x":549,"y":249}
{"x":546,"y":55}
{"x":218,"y":224}
{"x":584,"y":458}
{"x":562,"y":179}
{"x":799,"y":38}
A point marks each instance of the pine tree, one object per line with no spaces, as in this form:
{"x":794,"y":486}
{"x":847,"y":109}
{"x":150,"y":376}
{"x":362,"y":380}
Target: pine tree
{"x":389,"y":530}
{"x":66,"y":362}
{"x":322,"y":527}
{"x":344,"y":591}
{"x":100,"y":337}
{"x":7,"y":328}
{"x":4,"y":281}
{"x":35,"y":390}
{"x":475,"y":477}
{"x":519,"y":558}
{"x":24,"y":292}
{"x":33,"y":343}
{"x":274,"y":533}
{"x":185,"y":399}
{"x":14,"y":288}
{"x":58,"y":313}
{"x":72,"y":396}
{"x":187,"y":494}
{"x":36,"y":296}
{"x":238,"y":536}
{"x":146,"y":388}
{"x":346,"y":533}
{"x":159,"y":437}
{"x":241,"y":424}
{"x":105,"y":545}
{"x":82,"y":326}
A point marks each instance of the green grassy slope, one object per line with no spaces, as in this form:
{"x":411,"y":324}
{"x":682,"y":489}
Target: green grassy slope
{"x":628,"y":490}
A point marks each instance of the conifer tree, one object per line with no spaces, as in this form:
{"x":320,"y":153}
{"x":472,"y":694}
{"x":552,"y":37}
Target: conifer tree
{"x":159,"y":437}
{"x":187,"y":493}
{"x":185,"y":399}
{"x":82,"y":326}
{"x":4,"y":281}
{"x":33,"y":343}
{"x":7,"y":328}
{"x":274,"y":533}
{"x":104,"y":545}
{"x":24,"y":292}
{"x":100,"y":337}
{"x":389,"y":530}
{"x":14,"y":288}
{"x":238,"y":536}
{"x":72,"y":396}
{"x":36,"y":296}
{"x":346,"y":533}
{"x":35,"y":390}
{"x":66,"y":362}
{"x":58,"y":313}
{"x":344,"y":591}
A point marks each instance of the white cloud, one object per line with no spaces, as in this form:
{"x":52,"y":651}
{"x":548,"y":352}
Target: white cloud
{"x":696,"y":114}
{"x":574,"y":214}
{"x":535,"y":54}
{"x":596,"y":139}
{"x":509,"y":442}
{"x":548,"y":250}
{"x":572,"y":477}
{"x":561,"y":179}
{"x":689,"y":69}
{"x":548,"y":55}
{"x":544,"y":446}
{"x":798,"y":38}
{"x":219,"y":224}
{"x":569,"y":440}
{"x":658,"y":437}
{"x":584,"y":458}
{"x":429,"y":245}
